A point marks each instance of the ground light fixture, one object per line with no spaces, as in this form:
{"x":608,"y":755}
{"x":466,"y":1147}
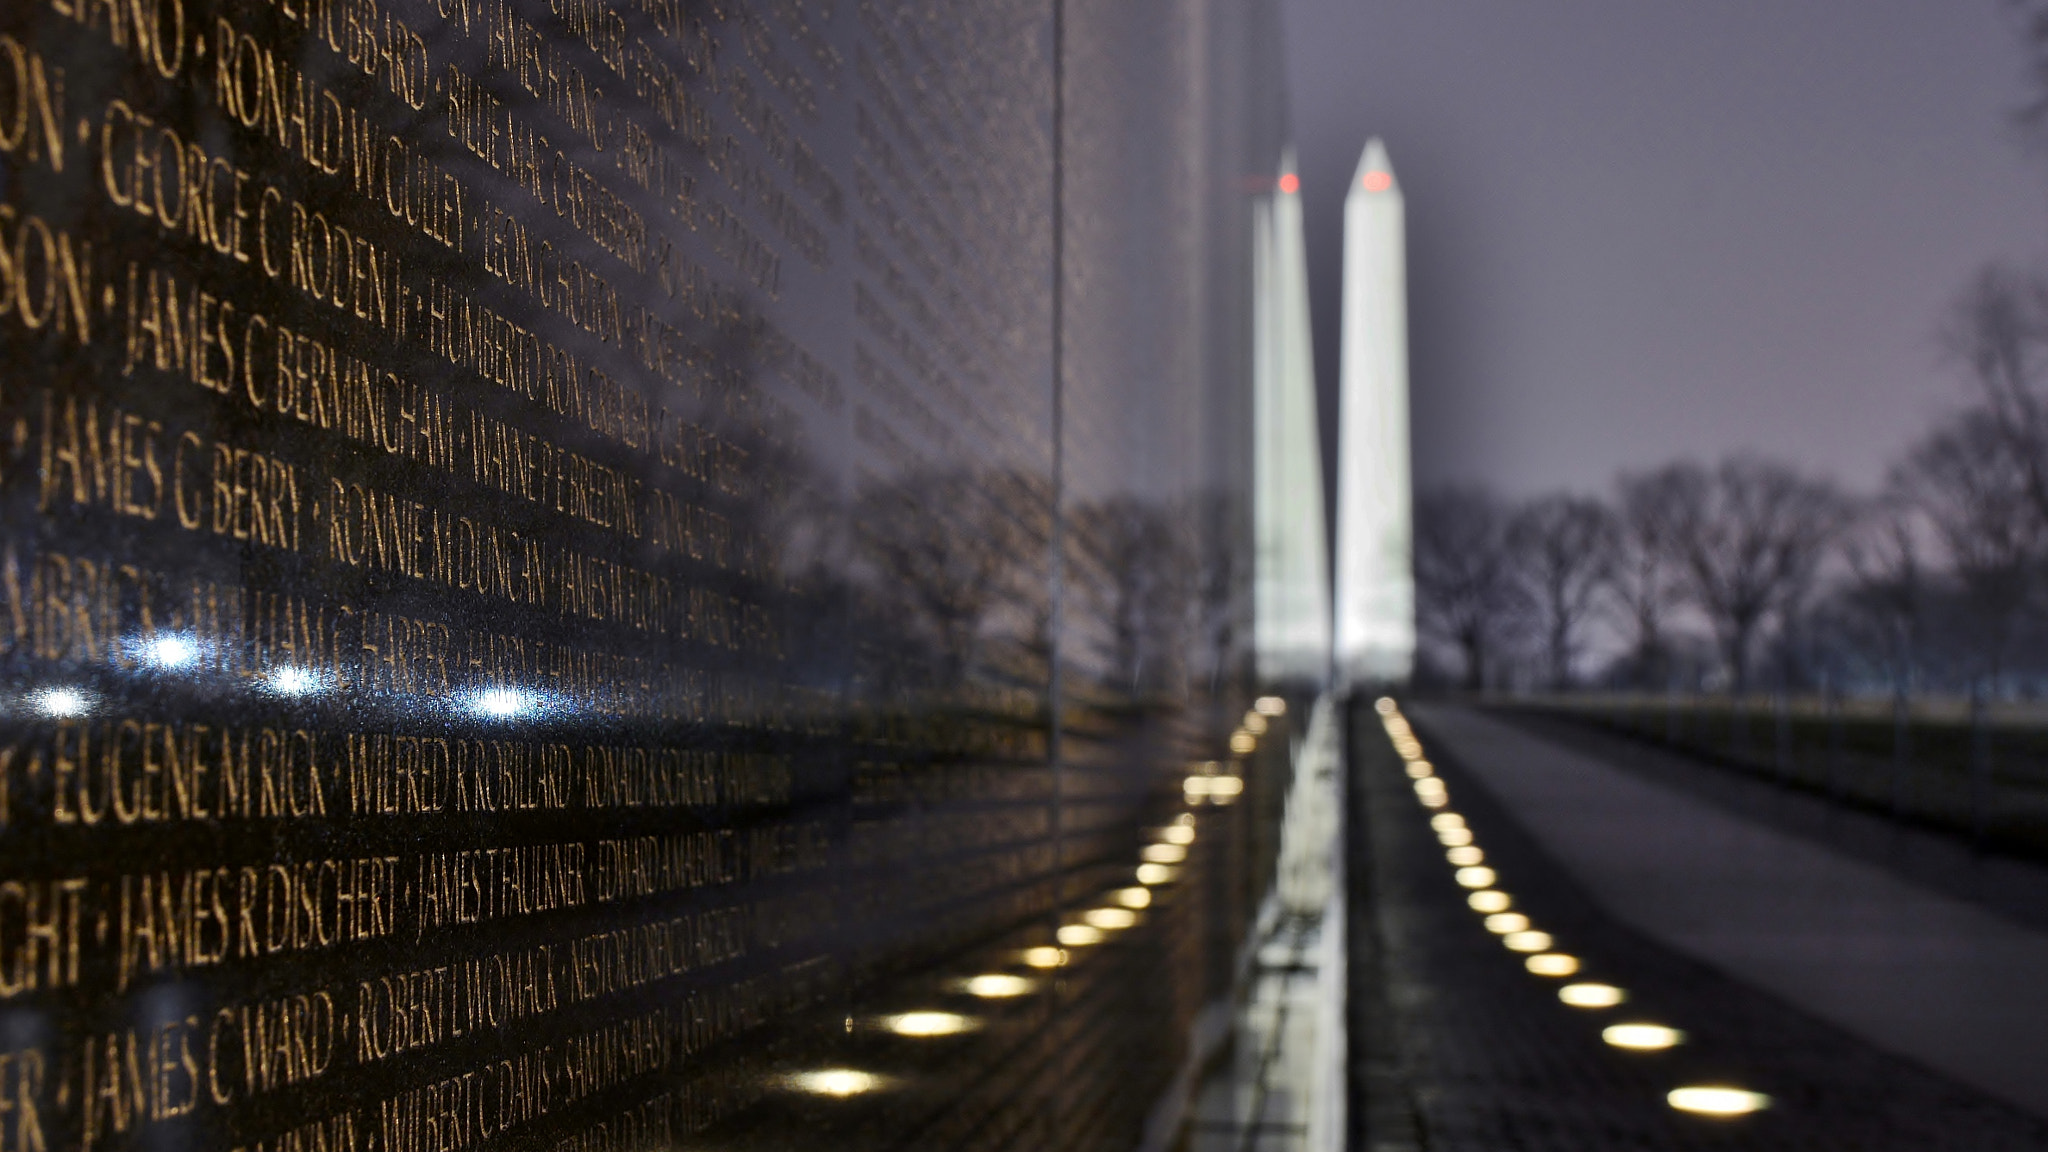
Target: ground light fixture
{"x":1419,"y":769}
{"x":1717,"y":1100}
{"x":1552,"y":964}
{"x":1591,"y":995}
{"x":998,"y":985}
{"x":840,"y":1082}
{"x":1445,"y":821}
{"x":1220,"y":790}
{"x":1476,"y":877}
{"x":1079,"y":935}
{"x":1454,"y":837}
{"x":1502,"y":923}
{"x":1134,"y":897}
{"x":1109,"y":918}
{"x":1178,"y":834}
{"x":1490,"y":900}
{"x":1154,"y":874}
{"x":1044,"y":957}
{"x":1464,"y":856}
{"x":1528,"y":941}
{"x":1642,"y":1037}
{"x":1164,"y":854}
{"x":922,"y":1024}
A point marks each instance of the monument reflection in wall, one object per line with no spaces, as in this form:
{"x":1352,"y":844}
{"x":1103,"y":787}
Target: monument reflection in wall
{"x":625,"y":575}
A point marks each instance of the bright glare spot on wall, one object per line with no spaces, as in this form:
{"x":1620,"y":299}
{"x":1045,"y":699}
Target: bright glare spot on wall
{"x":1490,"y":900}
{"x":289,"y":681}
{"x":503,"y":703}
{"x":929,"y":1024}
{"x":1552,"y":964}
{"x":1384,"y":705}
{"x":1591,"y":995}
{"x":171,"y":651}
{"x":1464,"y":856}
{"x":1454,"y":837}
{"x":1271,"y":706}
{"x":1044,"y":957}
{"x":1642,"y":1037}
{"x":998,"y":986}
{"x":1445,"y":821}
{"x":62,"y":703}
{"x":1477,"y":877}
{"x":1164,"y":854}
{"x":1420,"y":768}
{"x":1154,"y":874}
{"x":1715,"y":1100}
{"x":841,"y":1082}
{"x":1178,"y":834}
{"x":1135,"y":898}
{"x":1079,"y":935}
{"x":1502,"y":923}
{"x":1530,"y":941}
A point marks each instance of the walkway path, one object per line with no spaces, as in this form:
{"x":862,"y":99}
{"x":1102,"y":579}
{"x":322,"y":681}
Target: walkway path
{"x":1946,"y":982}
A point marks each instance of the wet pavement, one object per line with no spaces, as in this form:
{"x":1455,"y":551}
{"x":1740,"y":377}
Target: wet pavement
{"x":1875,"y":1009}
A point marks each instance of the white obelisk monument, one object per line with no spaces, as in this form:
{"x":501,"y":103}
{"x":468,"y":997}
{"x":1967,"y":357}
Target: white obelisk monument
{"x":1291,"y":581}
{"x":1375,"y":635}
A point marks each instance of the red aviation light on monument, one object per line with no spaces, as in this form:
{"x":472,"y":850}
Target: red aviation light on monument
{"x":1289,"y":183}
{"x":1377,"y":181}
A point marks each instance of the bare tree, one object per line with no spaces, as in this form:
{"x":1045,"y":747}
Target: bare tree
{"x":1751,"y":534}
{"x":1999,"y":332}
{"x":1466,"y":594}
{"x":1565,"y":549}
{"x":939,"y":559}
{"x":1647,"y":581}
{"x":1976,"y":488}
{"x":2033,"y":30}
{"x":1886,"y":590}
{"x":1138,"y":584}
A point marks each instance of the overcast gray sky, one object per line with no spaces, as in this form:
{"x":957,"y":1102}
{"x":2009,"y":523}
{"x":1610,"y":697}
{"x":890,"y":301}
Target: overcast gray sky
{"x":1639,"y":230}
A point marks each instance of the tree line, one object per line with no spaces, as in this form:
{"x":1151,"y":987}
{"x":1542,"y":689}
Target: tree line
{"x":1750,"y":574}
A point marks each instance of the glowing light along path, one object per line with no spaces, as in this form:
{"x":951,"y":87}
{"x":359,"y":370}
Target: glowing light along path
{"x":1462,"y":853}
{"x":1122,"y":907}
